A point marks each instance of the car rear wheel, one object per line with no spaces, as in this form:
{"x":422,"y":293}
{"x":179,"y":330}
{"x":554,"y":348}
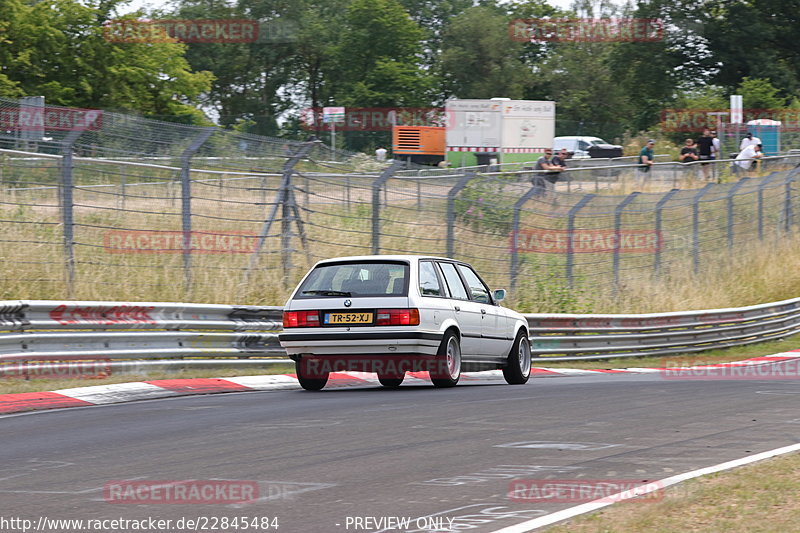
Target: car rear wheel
{"x":391,"y":381}
{"x":448,"y":362}
{"x":315,"y":381}
{"x":518,"y":368}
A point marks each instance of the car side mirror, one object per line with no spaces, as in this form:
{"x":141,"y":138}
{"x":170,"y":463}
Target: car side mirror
{"x":499,"y":295}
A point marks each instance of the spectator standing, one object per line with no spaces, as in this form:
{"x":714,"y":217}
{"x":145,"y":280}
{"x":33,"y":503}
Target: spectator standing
{"x":749,"y":140}
{"x":705,"y":147}
{"x":380,"y":154}
{"x":560,"y":160}
{"x":746,"y":157}
{"x":540,"y":178}
{"x":689,"y":152}
{"x":646,"y":156}
{"x":716,"y":146}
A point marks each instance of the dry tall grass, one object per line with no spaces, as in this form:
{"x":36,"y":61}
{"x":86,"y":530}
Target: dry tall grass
{"x":337,"y":214}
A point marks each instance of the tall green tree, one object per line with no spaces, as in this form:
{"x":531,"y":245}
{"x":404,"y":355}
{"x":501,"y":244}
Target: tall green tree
{"x":59,"y":50}
{"x":479,"y":59}
{"x":378,"y":58}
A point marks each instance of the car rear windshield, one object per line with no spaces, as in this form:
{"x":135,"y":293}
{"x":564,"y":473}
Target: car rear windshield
{"x":362,"y":278}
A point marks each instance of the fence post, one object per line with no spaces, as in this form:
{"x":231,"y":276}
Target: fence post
{"x":570,"y":233}
{"x":67,"y":204}
{"x":731,"y":194}
{"x":186,"y":204}
{"x":696,"y":226}
{"x":514,"y":232}
{"x":760,"y":208}
{"x":788,"y":215}
{"x":280,"y":199}
{"x":376,"y":203}
{"x":451,"y":211}
{"x":617,"y":229}
{"x":659,"y":238}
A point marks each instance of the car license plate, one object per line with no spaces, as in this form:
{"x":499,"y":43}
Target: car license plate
{"x":348,"y":318}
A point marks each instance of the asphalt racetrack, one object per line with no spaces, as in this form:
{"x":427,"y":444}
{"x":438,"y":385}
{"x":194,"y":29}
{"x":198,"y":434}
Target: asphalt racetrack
{"x":373,"y":459}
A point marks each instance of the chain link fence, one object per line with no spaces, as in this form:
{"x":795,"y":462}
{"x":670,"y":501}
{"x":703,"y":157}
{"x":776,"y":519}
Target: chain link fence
{"x":126,"y":208}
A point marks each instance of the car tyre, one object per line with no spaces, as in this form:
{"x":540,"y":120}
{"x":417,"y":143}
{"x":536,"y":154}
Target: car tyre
{"x":448,"y":362}
{"x":391,"y":381}
{"x":309,"y":383}
{"x":518,"y":368}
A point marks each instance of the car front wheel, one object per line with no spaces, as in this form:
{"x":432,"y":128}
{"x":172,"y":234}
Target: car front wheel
{"x":448,"y":362}
{"x":518,"y":368}
{"x":314,"y":381}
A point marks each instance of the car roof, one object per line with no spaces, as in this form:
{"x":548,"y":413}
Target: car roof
{"x":382,"y":257}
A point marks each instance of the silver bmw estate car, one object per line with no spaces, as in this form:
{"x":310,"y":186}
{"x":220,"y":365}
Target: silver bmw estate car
{"x":393,"y":314}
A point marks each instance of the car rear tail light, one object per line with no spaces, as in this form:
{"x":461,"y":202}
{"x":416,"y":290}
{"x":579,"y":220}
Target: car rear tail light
{"x":397,"y":317}
{"x":300,"y":319}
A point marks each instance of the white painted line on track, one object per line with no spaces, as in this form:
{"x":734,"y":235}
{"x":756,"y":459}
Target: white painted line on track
{"x":589,"y":507}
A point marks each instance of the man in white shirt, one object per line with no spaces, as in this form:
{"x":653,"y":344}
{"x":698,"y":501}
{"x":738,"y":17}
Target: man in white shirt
{"x":749,"y":140}
{"x":746,"y":157}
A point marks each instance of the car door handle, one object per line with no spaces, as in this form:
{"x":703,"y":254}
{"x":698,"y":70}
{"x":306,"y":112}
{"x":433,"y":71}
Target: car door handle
{"x":457,"y":308}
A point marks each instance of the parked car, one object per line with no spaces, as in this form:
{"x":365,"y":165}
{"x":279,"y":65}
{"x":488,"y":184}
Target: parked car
{"x":586,"y":147}
{"x":392,"y":314}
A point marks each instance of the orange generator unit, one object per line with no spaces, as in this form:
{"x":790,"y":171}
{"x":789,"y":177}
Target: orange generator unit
{"x":423,"y":145}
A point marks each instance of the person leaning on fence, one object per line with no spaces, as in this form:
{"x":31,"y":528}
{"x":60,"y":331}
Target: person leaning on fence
{"x":749,"y":140}
{"x":705,"y":145}
{"x":540,"y":179}
{"x":689,"y":152}
{"x":744,"y":160}
{"x":646,"y":156}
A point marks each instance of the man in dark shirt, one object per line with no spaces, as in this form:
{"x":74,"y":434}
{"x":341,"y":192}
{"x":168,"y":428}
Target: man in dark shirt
{"x":689,"y":152}
{"x":705,"y":146}
{"x":546,"y":162}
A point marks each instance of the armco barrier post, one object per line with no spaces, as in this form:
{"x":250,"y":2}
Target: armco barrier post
{"x":67,"y":215}
{"x":514,"y":232}
{"x":186,"y":204}
{"x":617,"y":233}
{"x":451,"y":211}
{"x":387,"y":173}
{"x":570,"y":233}
{"x":660,"y":239}
{"x":696,"y":226}
{"x":729,"y":198}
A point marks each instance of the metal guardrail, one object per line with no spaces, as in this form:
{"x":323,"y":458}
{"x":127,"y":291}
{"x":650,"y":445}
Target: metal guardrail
{"x":114,"y":330}
{"x":37,"y":330}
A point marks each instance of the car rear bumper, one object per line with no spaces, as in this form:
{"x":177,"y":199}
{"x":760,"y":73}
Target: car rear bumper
{"x":372,"y":343}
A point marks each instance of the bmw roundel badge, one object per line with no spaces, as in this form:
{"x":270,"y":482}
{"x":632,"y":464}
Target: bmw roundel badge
{"x":348,"y":303}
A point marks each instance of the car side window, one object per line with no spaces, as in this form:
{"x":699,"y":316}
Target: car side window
{"x":454,"y":283}
{"x":428,"y":280}
{"x":478,"y":291}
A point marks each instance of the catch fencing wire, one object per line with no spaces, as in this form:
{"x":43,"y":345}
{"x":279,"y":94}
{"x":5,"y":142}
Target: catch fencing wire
{"x":134,"y":223}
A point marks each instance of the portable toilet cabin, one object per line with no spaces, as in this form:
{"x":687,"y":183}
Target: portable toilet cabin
{"x":769,"y":131}
{"x":480,"y":132}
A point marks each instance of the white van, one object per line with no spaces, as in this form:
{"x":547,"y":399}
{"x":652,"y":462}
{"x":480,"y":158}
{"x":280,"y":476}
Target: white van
{"x":579,"y":146}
